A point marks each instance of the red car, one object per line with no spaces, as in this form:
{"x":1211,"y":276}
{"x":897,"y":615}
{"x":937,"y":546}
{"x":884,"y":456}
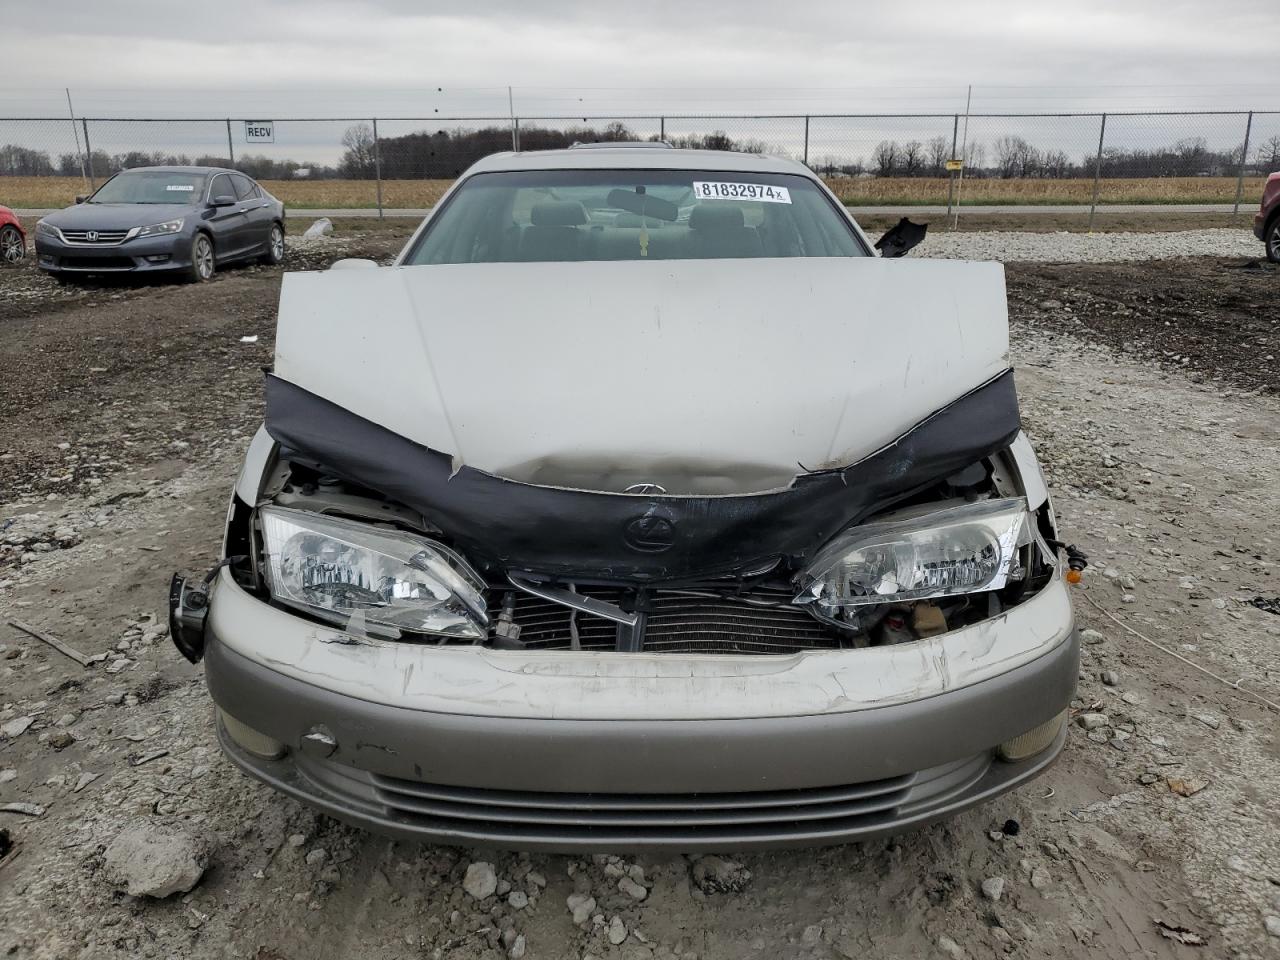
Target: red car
{"x":13,"y":241}
{"x":1266,"y":222}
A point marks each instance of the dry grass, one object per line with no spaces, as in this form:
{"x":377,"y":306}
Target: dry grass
{"x":42,"y":192}
{"x":357,"y":193}
{"x":45,"y":192}
{"x":926,"y":190}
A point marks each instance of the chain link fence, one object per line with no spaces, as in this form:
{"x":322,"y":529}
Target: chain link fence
{"x":869,"y":159}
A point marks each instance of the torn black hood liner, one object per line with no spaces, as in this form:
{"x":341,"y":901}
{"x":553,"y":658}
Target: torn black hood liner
{"x":587,"y":536}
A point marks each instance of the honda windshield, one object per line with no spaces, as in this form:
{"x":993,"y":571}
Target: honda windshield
{"x":151,"y":186}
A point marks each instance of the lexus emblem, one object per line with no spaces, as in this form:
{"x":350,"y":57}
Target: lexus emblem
{"x":649,"y":534}
{"x":92,"y":236}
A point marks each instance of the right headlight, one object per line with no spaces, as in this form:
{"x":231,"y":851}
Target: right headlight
{"x":965,"y":549}
{"x":371,"y":578}
{"x":47,"y":230}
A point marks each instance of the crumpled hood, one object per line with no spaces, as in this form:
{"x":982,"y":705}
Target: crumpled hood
{"x":700,"y":376}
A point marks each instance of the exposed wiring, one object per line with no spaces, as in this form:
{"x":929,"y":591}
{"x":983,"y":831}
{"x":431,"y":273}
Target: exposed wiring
{"x":1234,"y":685}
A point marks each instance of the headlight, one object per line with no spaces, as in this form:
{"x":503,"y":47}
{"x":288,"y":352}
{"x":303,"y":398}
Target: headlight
{"x":47,"y":230}
{"x":158,"y":229}
{"x":964,"y":549}
{"x":363,"y":576}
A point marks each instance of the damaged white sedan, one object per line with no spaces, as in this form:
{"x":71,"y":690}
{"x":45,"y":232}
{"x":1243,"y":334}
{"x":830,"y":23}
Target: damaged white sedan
{"x":639,"y":504}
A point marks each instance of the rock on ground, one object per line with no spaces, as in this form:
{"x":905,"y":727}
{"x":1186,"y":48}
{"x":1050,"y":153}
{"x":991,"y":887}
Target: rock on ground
{"x":719,"y":875}
{"x":321,"y":228}
{"x":150,"y":859}
{"x":1012,"y":245}
{"x":481,"y":880}
{"x":617,"y":931}
{"x":581,"y":906}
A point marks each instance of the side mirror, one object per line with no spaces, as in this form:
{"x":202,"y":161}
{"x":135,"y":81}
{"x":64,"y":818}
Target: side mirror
{"x":901,"y":238}
{"x":81,"y":197}
{"x":223,"y":200}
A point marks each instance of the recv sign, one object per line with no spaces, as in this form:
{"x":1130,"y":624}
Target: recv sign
{"x":259,"y":131}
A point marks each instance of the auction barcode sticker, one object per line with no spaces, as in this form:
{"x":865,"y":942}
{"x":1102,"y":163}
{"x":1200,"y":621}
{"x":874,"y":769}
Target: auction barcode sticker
{"x":181,"y":187}
{"x":723,"y":190}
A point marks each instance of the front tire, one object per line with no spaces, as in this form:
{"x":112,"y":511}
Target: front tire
{"x":12,"y":247}
{"x":1272,"y":240}
{"x":202,"y":260}
{"x":275,"y":246}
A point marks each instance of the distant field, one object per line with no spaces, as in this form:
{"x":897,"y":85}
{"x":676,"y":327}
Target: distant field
{"x":895,"y":191}
{"x":42,"y":192}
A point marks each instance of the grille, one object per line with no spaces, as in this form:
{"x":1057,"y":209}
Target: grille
{"x":705,"y":818}
{"x":97,"y":263}
{"x":99,"y":238}
{"x":677,"y":623}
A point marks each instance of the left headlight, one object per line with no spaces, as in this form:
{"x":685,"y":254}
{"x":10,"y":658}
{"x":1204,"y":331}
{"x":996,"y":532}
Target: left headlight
{"x":367,"y":577}
{"x":159,"y":229}
{"x":47,"y":230}
{"x":965,"y":549}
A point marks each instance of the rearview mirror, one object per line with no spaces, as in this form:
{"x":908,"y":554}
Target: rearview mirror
{"x":223,"y":200}
{"x":643,"y":204}
{"x":901,"y":238}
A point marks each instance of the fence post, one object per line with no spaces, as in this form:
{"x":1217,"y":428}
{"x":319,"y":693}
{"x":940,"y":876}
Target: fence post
{"x":377,"y":165}
{"x":515,"y":134}
{"x":806,"y":140}
{"x":75,"y":134}
{"x":951,"y":174}
{"x":662,"y":128}
{"x":231,"y":150}
{"x":88,"y":153}
{"x":1244,"y":161}
{"x":1097,"y":171}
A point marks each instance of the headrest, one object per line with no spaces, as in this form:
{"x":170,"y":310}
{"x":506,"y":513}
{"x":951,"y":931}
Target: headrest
{"x":714,"y":217}
{"x":559,"y":213}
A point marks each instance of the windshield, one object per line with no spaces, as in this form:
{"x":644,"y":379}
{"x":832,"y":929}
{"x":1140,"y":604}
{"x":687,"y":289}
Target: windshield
{"x":151,"y":186}
{"x":574,"y":215}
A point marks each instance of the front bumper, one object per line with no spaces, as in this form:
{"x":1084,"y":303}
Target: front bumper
{"x":146,"y":255}
{"x":465,"y":769}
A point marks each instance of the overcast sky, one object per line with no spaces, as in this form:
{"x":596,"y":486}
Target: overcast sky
{"x":399,"y":57}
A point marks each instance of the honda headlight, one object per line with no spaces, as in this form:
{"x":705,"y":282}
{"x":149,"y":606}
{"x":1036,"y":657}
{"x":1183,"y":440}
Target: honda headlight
{"x":965,"y":549}
{"x":371,"y":578}
{"x":159,"y":229}
{"x":47,"y":230}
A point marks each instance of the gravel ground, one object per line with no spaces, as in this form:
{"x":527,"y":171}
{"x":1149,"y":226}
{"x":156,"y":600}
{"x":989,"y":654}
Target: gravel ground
{"x":1157,"y":835}
{"x":1013,"y":246}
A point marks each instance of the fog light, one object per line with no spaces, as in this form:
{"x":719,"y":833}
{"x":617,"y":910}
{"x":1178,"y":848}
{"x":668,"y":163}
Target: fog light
{"x":250,"y":740}
{"x":1033,"y":741}
{"x":158,"y":257}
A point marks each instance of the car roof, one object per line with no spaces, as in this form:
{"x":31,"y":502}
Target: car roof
{"x":628,"y":157}
{"x":173,"y":168}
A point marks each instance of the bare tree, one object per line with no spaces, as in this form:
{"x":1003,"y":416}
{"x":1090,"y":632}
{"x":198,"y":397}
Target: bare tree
{"x":1268,"y":154}
{"x":357,"y":161}
{"x":912,"y":157}
{"x":1055,"y":164}
{"x":886,"y":156}
{"x":975,"y":157}
{"x":1009,"y":151}
{"x":937,"y":152}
